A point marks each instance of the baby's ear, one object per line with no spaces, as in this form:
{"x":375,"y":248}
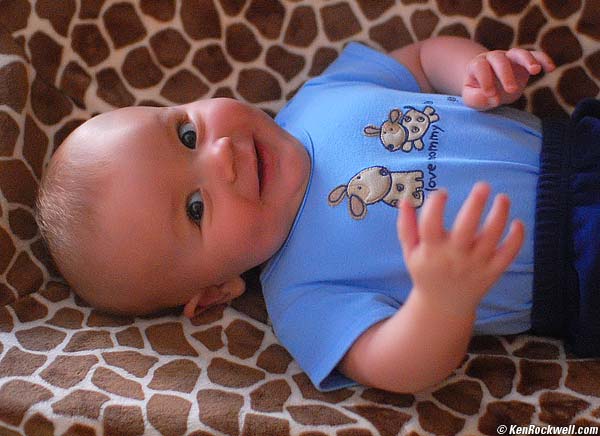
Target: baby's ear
{"x":213,"y":295}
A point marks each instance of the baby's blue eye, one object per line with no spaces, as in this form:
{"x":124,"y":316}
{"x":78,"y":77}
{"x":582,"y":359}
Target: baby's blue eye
{"x":187,"y":135}
{"x":195,"y":207}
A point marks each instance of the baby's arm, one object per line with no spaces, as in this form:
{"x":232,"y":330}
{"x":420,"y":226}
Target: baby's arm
{"x":458,"y":66}
{"x":451,"y":272}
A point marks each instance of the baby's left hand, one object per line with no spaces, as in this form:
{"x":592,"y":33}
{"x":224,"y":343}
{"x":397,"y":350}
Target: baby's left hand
{"x":499,"y":77}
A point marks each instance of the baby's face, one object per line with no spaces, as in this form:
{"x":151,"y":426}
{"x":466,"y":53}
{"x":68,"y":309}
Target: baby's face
{"x":197,"y":194}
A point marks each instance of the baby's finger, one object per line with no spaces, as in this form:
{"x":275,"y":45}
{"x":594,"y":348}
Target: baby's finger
{"x":468,"y":218}
{"x":545,"y":61}
{"x":481,"y":72}
{"x":503,"y":70}
{"x":493,"y":226}
{"x":509,"y":249}
{"x":475,"y":98}
{"x":431,"y":223}
{"x":407,"y":227}
{"x":524,"y":58}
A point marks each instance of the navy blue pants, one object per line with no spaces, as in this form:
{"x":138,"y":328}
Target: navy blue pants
{"x":566,"y":294}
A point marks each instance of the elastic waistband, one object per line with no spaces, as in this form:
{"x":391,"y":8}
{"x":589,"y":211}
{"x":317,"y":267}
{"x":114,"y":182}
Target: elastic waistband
{"x":552,"y":281}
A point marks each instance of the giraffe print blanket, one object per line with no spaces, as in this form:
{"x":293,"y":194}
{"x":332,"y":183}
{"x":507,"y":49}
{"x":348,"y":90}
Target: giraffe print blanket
{"x":68,"y":370}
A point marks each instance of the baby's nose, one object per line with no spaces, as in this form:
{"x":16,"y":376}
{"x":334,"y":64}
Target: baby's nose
{"x":221,"y":158}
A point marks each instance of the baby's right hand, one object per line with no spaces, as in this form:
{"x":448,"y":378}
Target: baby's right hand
{"x":454,"y":269}
{"x":499,"y":77}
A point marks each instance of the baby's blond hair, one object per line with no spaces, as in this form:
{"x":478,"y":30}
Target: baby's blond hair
{"x":65,"y":207}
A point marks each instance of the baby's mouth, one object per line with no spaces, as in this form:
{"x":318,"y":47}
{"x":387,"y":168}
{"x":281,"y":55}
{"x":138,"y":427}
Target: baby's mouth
{"x":260,"y":168}
{"x":260,"y":163}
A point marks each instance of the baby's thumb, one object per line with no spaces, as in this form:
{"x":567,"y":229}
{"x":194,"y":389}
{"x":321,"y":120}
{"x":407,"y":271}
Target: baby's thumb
{"x":475,"y":98}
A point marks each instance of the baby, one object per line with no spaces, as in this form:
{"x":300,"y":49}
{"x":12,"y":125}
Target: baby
{"x":149,"y":208}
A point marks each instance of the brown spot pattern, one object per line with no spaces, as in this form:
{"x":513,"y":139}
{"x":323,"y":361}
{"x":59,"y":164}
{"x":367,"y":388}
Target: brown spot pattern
{"x":38,"y":425}
{"x":18,"y":363}
{"x":560,"y":409}
{"x":212,"y":63}
{"x":123,"y":24}
{"x":40,"y":338}
{"x":178,"y":375}
{"x":162,"y":10}
{"x":67,"y":318}
{"x":311,"y":393}
{"x":463,"y":396}
{"x":45,"y":55}
{"x":81,"y":403}
{"x":17,"y":397}
{"x":210,"y":338}
{"x":271,"y":396}
{"x":200,"y":19}
{"x":88,"y":42}
{"x":133,"y":362}
{"x":394,"y":26}
{"x":241,"y":43}
{"x":388,"y":422}
{"x":302,"y":29}
{"x":243,"y":339}
{"x":220,"y":410}
{"x":183,"y":87}
{"x":169,"y":339}
{"x":169,"y":47}
{"x":139,"y":70}
{"x":226,"y":373}
{"x":530,"y":26}
{"x":123,"y":421}
{"x":536,"y":376}
{"x":169,"y":414}
{"x":496,"y":373}
{"x":89,"y":340}
{"x":275,"y":359}
{"x":319,"y":415}
{"x":15,"y":14}
{"x":284,"y":62}
{"x":538,"y":350}
{"x":68,"y":371}
{"x":267,"y":16}
{"x":89,"y":56}
{"x":506,"y":413}
{"x":109,"y":381}
{"x":340,"y":22}
{"x":562,"y":45}
{"x":14,"y":96}
{"x":29,"y":309}
{"x":130,"y":337}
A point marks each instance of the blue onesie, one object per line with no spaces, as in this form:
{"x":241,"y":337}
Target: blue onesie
{"x":374,"y":139}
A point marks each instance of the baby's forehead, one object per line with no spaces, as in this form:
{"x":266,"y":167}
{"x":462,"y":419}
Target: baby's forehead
{"x":131,"y":117}
{"x":99,"y":145}
{"x":114,"y":127}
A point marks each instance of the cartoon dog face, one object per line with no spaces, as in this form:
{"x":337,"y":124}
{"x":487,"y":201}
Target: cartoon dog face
{"x":378,"y":184}
{"x":403,"y":132}
{"x":416,"y":124}
{"x":367,"y":187}
{"x":391,"y":133}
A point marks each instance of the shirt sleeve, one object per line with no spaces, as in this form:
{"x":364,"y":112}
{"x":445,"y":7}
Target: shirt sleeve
{"x":319,"y":324}
{"x":359,"y":63}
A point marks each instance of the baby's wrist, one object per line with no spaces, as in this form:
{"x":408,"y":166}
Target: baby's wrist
{"x":447,"y":304}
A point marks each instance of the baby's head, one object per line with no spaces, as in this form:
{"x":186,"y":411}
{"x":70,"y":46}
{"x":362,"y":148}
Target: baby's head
{"x":149,"y":208}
